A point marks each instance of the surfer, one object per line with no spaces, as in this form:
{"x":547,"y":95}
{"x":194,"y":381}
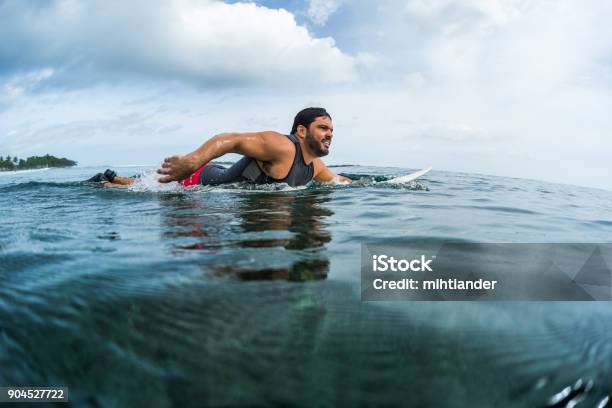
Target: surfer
{"x":268,"y":157}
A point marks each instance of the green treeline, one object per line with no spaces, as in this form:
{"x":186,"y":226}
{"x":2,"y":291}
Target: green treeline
{"x":34,"y":162}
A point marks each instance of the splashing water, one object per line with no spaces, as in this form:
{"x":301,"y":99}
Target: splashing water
{"x":146,"y":181}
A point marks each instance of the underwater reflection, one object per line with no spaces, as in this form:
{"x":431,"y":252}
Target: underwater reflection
{"x":303,"y":215}
{"x":267,"y":236}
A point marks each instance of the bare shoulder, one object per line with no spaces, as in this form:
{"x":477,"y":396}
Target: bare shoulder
{"x":265,"y":146}
{"x":276,"y":140}
{"x":280,"y":148}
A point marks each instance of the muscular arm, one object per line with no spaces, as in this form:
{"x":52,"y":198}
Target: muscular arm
{"x":265,"y":146}
{"x":120,"y":182}
{"x":325,"y":175}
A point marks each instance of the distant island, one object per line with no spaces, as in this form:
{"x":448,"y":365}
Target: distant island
{"x":9,"y":163}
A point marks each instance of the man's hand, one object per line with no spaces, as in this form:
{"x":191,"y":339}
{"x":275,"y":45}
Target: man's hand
{"x":176,"y":168}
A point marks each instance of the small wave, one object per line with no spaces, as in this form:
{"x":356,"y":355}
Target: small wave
{"x":507,"y":209}
{"x":35,"y":185}
{"x":365,"y":178}
{"x":128,"y":165}
{"x":370,"y":180}
{"x":380,"y":182}
{"x":245,"y":186}
{"x":12,"y":173}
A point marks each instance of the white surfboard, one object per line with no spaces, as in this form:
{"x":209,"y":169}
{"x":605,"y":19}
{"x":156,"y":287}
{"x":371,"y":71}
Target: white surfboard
{"x":408,"y":178}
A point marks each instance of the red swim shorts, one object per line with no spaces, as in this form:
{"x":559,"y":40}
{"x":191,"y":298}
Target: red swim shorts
{"x":194,"y":179}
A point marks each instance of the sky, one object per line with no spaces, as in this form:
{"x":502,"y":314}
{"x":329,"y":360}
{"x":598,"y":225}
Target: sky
{"x":514,"y":88}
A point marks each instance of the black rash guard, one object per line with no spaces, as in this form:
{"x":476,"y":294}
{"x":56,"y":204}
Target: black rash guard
{"x":247,"y":169}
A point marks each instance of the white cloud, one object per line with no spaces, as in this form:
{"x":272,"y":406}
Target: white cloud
{"x":414,"y":80}
{"x":534,"y":76}
{"x":21,"y":83}
{"x":514,"y":44}
{"x":208,"y":42}
{"x":319,"y":11}
{"x":516,"y":88}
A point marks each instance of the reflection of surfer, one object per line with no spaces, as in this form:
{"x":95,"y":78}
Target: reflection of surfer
{"x":269,"y":157}
{"x":303,"y":216}
{"x":265,"y":222}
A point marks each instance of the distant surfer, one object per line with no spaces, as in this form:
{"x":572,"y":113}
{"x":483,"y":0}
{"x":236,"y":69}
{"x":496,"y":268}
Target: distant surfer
{"x":269,"y":157}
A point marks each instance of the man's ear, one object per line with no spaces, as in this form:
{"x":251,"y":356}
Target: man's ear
{"x":301,"y":131}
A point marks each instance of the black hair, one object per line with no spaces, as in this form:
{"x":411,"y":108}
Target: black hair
{"x":306,"y":116}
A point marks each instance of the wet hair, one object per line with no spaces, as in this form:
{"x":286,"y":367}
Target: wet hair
{"x":306,"y":116}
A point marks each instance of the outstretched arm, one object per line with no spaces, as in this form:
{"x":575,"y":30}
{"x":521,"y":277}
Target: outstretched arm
{"x":119,"y":182}
{"x":325,"y":175}
{"x":265,"y":146}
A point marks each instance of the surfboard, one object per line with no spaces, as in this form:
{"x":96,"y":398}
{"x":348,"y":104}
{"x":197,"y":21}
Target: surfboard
{"x":409,"y":177}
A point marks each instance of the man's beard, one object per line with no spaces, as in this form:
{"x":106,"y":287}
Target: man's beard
{"x":315,"y":146}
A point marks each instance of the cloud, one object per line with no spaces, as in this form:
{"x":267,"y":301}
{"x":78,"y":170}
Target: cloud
{"x":207,"y":42}
{"x":319,"y":11}
{"x":515,"y":87}
{"x":21,"y":83}
{"x":515,"y":45}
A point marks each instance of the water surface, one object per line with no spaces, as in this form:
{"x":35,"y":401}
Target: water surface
{"x":231,"y":296}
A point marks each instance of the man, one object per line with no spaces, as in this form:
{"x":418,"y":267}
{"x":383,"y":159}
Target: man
{"x":269,"y":157}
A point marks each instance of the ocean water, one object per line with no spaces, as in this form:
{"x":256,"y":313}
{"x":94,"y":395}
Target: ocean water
{"x":165,"y":297}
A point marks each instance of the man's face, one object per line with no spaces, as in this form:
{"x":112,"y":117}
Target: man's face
{"x":319,"y":136}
